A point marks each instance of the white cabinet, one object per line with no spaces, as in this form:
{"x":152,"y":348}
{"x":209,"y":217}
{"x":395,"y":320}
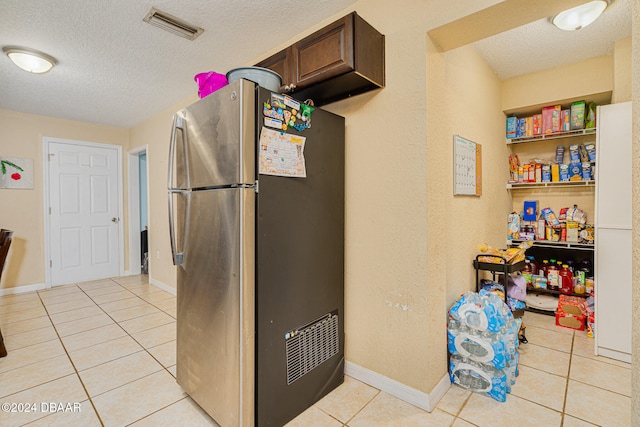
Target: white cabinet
{"x":613,"y":232}
{"x":613,"y":294}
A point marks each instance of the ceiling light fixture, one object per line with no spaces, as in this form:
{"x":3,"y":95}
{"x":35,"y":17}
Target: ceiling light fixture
{"x":170,"y":23}
{"x":30,"y":60}
{"x":579,"y":16}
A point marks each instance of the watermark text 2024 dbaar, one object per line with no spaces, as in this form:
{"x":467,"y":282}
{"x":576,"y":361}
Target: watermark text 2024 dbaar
{"x":43,"y":407}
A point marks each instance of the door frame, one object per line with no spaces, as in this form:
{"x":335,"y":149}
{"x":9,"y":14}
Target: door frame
{"x":45,"y":190}
{"x":133,"y":194}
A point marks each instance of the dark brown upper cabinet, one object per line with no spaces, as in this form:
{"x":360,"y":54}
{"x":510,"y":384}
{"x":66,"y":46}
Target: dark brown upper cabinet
{"x":343,"y":59}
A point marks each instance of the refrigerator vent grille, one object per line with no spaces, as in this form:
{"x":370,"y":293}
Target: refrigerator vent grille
{"x":311,"y":345}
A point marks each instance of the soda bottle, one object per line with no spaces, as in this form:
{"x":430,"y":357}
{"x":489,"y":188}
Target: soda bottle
{"x":570,"y":265}
{"x":543,"y":268}
{"x":566,"y":280}
{"x":553,"y":281}
{"x":586,"y":266}
{"x":534,"y":264}
{"x":528,"y":271}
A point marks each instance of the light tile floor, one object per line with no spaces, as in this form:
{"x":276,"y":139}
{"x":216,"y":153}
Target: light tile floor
{"x":108,"y":347}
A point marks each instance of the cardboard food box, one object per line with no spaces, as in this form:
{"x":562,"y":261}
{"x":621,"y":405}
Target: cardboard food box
{"x":568,"y":320}
{"x":577,"y":115}
{"x":528,"y":126}
{"x":512,"y":124}
{"x":565,"y":126}
{"x":537,"y":124}
{"x":573,"y":232}
{"x":530,"y":212}
{"x":513,"y":226}
{"x":521,"y":131}
{"x":572,"y":305}
{"x":551,"y":119}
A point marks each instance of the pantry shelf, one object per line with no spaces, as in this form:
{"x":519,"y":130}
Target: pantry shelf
{"x":556,"y":293}
{"x":563,"y":184}
{"x":550,"y":244}
{"x":556,"y":135}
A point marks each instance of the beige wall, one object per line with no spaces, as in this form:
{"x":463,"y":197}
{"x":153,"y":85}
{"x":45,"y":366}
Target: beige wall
{"x":409,"y":242}
{"x":399,"y":194}
{"x":463,"y":97}
{"x":468,"y":105}
{"x":155,"y":133}
{"x":22,"y":210}
{"x":635,"y":91}
{"x":581,"y":79}
{"x":622,"y":71}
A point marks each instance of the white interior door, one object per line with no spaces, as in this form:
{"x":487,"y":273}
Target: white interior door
{"x":84,"y":226}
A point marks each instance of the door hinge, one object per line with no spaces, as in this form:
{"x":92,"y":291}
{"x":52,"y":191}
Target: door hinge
{"x":50,"y":263}
{"x":51,"y":155}
{"x":49,"y":210}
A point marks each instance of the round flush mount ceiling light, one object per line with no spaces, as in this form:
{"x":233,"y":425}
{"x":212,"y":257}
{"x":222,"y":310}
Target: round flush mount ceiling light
{"x":579,"y":16}
{"x":30,"y":60}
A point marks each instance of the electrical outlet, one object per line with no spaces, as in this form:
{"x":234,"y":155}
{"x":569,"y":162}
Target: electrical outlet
{"x":157,"y":254}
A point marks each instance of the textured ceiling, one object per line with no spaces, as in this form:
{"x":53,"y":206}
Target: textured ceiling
{"x":540,"y":45}
{"x":117,"y":70}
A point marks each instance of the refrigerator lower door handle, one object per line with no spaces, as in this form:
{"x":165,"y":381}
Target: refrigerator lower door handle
{"x":178,"y":257}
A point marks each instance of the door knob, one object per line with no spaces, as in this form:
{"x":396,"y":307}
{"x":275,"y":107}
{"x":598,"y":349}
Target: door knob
{"x":114,"y":219}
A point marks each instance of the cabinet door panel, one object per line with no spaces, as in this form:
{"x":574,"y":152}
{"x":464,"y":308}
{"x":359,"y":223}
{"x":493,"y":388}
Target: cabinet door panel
{"x":281,"y":64}
{"x":613,"y":177}
{"x":324,"y":54}
{"x":613,"y":290}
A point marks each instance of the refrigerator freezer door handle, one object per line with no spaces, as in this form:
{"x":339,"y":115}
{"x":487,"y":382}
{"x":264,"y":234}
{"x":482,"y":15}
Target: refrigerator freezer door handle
{"x":178,"y":257}
{"x":177,"y":125}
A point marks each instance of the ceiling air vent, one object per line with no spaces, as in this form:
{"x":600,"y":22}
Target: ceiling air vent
{"x":172,"y":24}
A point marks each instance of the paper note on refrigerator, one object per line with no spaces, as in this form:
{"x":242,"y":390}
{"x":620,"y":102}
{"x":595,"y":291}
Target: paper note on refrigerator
{"x":281,"y":154}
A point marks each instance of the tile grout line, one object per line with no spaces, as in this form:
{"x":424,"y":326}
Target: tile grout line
{"x":361,"y":409}
{"x":90,"y":398}
{"x":566,"y":389}
{"x":73,"y":364}
{"x":140,"y":344}
{"x":66,"y":352}
{"x":128,"y":334}
{"x":161,"y":409}
{"x":457,"y":416}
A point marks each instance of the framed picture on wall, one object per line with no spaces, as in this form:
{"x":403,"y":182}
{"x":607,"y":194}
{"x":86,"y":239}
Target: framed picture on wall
{"x":467,"y":167}
{"x":16,"y":173}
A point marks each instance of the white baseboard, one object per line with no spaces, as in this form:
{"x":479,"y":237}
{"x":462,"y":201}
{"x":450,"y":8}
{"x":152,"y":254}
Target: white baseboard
{"x":162,"y":286}
{"x":22,"y":289}
{"x":410,"y":395}
{"x":613,"y":354}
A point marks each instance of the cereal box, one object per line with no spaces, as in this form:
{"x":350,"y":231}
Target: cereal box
{"x":577,"y":115}
{"x":537,"y":124}
{"x":551,"y":119}
{"x":512,"y":124}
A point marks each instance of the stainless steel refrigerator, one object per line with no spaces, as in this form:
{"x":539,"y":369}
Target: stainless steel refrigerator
{"x":259,"y":254}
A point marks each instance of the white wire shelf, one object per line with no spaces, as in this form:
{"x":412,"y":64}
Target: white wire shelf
{"x":556,"y":135}
{"x":561,"y":184}
{"x":551,"y":244}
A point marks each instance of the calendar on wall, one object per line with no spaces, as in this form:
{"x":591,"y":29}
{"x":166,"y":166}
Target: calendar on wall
{"x":467,"y":167}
